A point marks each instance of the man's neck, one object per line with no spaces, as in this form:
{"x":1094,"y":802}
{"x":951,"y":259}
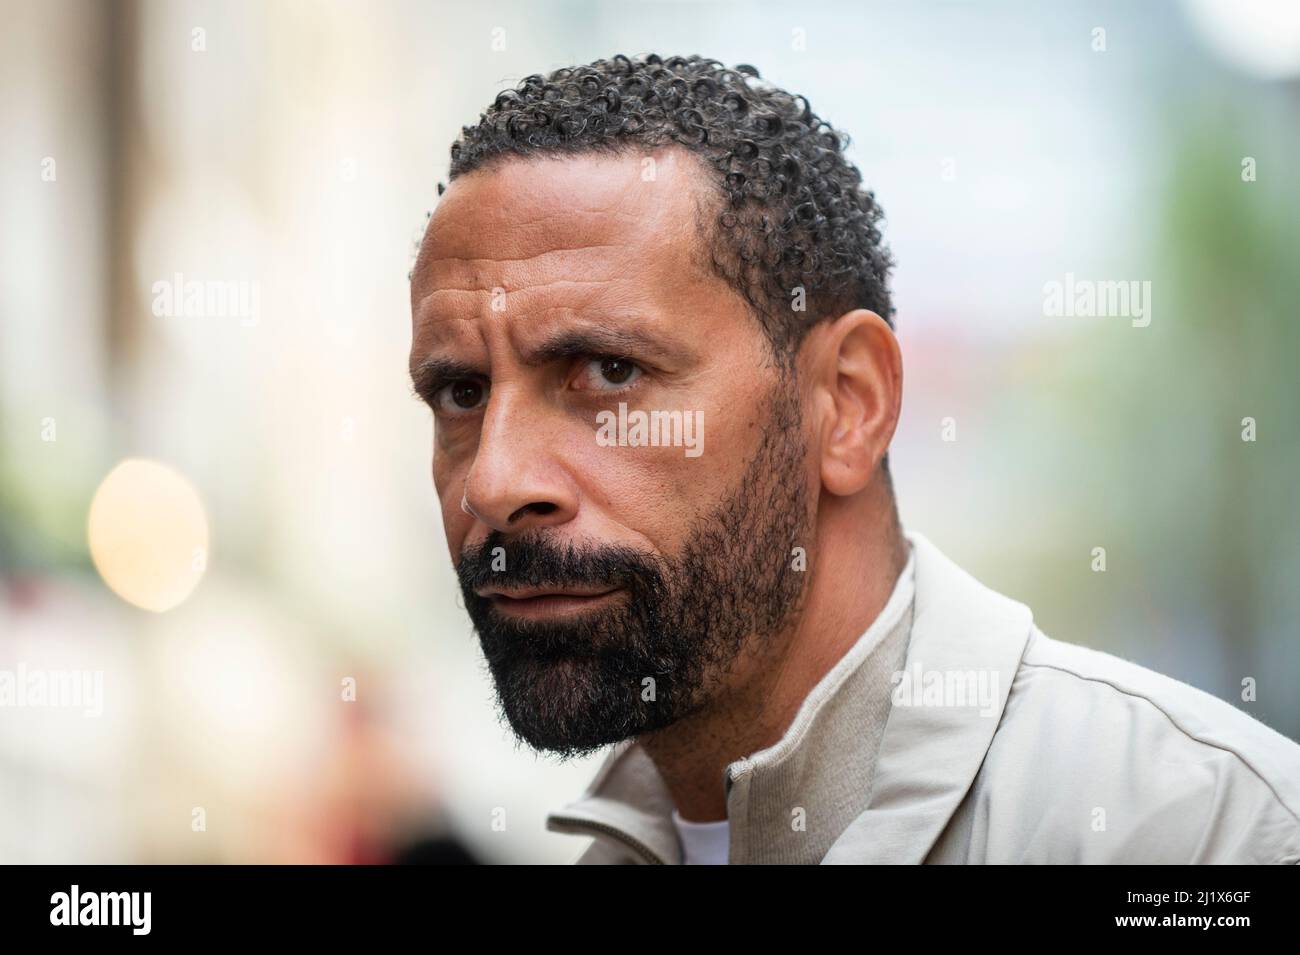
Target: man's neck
{"x":850,"y":582}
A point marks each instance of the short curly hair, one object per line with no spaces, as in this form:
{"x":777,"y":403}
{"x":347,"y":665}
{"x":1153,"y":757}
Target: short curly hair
{"x":793,"y":213}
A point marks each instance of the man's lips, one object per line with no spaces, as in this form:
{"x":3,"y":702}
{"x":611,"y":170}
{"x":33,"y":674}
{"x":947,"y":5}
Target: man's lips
{"x":546,"y":601}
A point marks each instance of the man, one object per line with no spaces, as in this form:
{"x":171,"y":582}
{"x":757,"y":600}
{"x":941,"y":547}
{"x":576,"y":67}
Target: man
{"x":651,"y":318}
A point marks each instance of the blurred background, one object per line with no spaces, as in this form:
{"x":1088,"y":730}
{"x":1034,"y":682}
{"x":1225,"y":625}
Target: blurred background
{"x":220,"y":503}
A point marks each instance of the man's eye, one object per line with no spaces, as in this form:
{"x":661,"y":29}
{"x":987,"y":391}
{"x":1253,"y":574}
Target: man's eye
{"x":465,"y":394}
{"x":611,"y":373}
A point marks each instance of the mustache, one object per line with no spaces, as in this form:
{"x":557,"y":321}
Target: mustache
{"x":536,"y":560}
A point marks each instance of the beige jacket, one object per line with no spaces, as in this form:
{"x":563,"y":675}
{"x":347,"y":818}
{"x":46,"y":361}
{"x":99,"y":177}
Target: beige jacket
{"x":955,"y":731}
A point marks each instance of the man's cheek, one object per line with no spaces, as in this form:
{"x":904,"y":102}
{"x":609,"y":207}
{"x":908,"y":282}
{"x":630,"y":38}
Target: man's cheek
{"x":655,"y":492}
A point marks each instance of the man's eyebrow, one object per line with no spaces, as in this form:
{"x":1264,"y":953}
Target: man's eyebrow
{"x":597,"y":340}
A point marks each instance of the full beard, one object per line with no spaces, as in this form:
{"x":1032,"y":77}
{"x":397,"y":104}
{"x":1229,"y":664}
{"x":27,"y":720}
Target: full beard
{"x":655,"y":653}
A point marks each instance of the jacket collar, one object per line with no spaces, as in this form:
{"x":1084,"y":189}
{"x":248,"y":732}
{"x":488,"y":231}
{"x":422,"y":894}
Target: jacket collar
{"x":931,"y":753}
{"x":881,"y":796}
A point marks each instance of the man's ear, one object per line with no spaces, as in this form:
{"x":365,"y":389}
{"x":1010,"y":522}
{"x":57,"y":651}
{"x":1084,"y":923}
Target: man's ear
{"x":856,"y":373}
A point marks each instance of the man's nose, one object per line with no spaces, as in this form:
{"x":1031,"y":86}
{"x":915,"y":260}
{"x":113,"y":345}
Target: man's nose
{"x":516,"y":481}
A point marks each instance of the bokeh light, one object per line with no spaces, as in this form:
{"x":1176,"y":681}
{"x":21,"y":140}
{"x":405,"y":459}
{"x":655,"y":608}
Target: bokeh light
{"x":148,"y":534}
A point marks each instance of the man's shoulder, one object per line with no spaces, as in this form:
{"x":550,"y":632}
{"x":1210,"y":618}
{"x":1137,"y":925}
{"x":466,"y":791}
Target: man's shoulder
{"x":1082,"y":684}
{"x":1142,"y":766}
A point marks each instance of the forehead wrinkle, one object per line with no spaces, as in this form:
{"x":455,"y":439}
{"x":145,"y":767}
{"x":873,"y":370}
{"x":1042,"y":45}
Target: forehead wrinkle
{"x":498,"y":259}
{"x":536,"y":198}
{"x":532,"y":237}
{"x":474,"y":273}
{"x":426,"y":302}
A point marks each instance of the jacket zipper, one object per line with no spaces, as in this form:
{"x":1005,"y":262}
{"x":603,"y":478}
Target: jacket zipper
{"x":637,"y":846}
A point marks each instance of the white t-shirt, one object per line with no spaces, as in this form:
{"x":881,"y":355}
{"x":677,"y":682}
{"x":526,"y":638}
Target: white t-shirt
{"x":704,"y":843}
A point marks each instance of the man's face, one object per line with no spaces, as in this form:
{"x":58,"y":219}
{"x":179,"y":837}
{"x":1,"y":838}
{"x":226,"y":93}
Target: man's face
{"x":615,"y":588}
